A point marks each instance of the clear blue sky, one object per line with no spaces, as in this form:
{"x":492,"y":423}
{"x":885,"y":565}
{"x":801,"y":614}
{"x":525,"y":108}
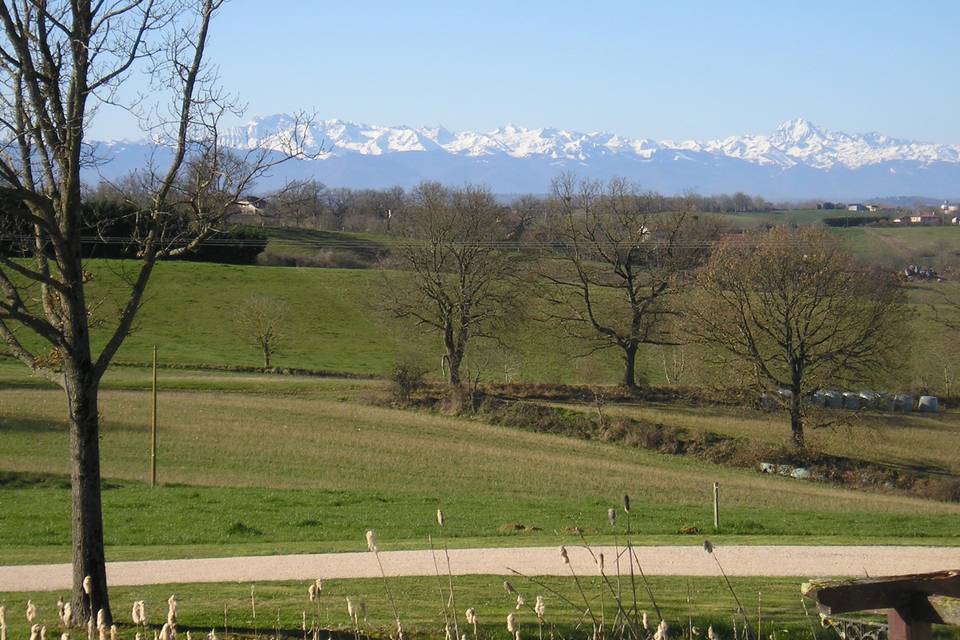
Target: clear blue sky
{"x":675,"y":69}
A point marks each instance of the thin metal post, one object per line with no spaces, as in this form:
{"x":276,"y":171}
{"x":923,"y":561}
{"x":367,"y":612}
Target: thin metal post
{"x":153,"y":425}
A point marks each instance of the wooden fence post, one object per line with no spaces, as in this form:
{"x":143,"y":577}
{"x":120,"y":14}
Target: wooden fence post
{"x":901,"y":625}
{"x":716,"y":506}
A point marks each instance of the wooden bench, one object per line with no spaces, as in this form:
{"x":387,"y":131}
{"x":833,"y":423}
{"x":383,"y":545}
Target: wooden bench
{"x":911,"y":603}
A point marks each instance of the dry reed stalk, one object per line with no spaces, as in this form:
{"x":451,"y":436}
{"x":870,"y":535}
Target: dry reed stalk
{"x":372,"y":546}
{"x":436,"y":567}
{"x":708,"y":547}
{"x":621,"y":611}
{"x":565,"y":557}
{"x":643,"y":576}
{"x":441,"y":521}
{"x":88,"y":591}
{"x":540,"y":608}
{"x":32,"y":611}
{"x":253,"y":610}
{"x":759,"y":598}
{"x":354,"y":619}
{"x":662,"y":631}
{"x":471,"y":620}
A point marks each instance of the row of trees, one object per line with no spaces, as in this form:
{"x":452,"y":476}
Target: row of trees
{"x":785,"y":307}
{"x":311,"y":204}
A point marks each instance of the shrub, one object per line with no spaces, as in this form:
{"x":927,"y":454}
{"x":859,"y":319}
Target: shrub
{"x":406,"y":378}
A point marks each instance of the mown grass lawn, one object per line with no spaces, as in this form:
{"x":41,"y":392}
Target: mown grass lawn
{"x":684,"y":601}
{"x":261,"y":467}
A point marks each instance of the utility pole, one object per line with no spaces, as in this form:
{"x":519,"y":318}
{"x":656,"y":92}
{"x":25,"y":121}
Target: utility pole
{"x":153,"y":425}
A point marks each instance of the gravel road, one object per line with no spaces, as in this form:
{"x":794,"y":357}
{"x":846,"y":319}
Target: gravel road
{"x":788,"y":561}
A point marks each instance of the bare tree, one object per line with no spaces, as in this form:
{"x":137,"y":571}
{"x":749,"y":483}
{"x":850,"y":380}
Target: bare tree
{"x":790,"y":304}
{"x":298,"y":202}
{"x":59,"y":61}
{"x":339,"y":202}
{"x":454,"y":280}
{"x":620,"y":262}
{"x":262,"y":321}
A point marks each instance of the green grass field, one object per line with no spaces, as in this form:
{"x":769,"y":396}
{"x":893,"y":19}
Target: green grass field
{"x":260,"y":464}
{"x":255,"y":464}
{"x":753,"y":220}
{"x":336,"y":324}
{"x":683,"y":601}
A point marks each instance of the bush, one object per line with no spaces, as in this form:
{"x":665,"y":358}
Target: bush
{"x":406,"y":378}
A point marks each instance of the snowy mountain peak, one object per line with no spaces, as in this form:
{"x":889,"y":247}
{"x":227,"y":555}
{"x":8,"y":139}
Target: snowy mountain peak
{"x":796,"y":130}
{"x":793,"y":142}
{"x":796,"y":160}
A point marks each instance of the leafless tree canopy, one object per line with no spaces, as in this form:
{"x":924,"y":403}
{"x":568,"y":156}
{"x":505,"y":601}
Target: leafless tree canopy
{"x":60,"y":61}
{"x":796,"y":308}
{"x":620,"y":263}
{"x":455,"y":280}
{"x":262,"y":321}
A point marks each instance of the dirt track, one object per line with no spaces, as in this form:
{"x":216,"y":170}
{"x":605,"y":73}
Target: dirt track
{"x":798,"y":561}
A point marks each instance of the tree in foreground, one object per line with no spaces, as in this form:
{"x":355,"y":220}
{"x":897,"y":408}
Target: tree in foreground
{"x":797,"y":310}
{"x":616,"y":266}
{"x":59,"y":62}
{"x":261,"y":321}
{"x":454,"y":279}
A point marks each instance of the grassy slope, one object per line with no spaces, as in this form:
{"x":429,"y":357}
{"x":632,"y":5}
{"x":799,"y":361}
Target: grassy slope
{"x":336,"y":325}
{"x":921,"y":441}
{"x":309,"y":468}
{"x":761,"y":218}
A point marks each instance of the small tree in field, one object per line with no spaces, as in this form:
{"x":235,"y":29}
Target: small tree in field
{"x":454,"y":280}
{"x":261,"y":321}
{"x":792,"y":305}
{"x":617,"y":265}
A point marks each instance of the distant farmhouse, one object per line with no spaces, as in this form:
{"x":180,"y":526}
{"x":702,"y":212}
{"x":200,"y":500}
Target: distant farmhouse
{"x":920,"y":218}
{"x":251,"y":205}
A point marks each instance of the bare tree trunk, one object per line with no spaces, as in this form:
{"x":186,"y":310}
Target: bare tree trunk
{"x":454,"y":355}
{"x":87,"y":509}
{"x":266,"y":356}
{"x":453,"y":361}
{"x":630,"y":366}
{"x":796,"y":415}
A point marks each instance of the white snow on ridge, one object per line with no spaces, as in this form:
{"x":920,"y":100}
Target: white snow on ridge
{"x":794,"y":142}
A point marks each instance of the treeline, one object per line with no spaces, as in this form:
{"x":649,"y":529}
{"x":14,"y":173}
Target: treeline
{"x":311,"y":204}
{"x":111,"y":228}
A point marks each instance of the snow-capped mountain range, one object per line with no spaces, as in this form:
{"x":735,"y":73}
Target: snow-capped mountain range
{"x":798,"y":160}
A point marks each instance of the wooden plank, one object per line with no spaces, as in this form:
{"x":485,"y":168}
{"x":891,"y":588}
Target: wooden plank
{"x":892,"y":592}
{"x":900,"y":626}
